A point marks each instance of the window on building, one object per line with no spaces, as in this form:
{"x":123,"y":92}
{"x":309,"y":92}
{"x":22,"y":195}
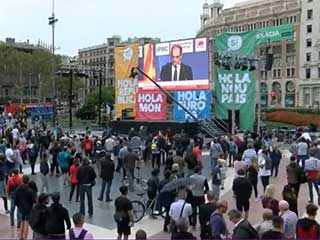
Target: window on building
{"x":316,"y":96}
{"x":309,"y":42}
{"x":291,"y":48}
{"x":309,"y":28}
{"x":309,"y":14}
{"x":306,"y":96}
{"x":308,"y":73}
{"x":279,"y":73}
{"x":308,"y":56}
{"x":277,"y":49}
{"x":291,"y":72}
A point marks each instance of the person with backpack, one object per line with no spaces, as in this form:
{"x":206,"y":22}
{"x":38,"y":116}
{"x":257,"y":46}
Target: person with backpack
{"x":37,"y":218}
{"x":308,"y":227}
{"x":78,"y":232}
{"x":243,"y":229}
{"x":13,"y":183}
{"x":265,"y":166}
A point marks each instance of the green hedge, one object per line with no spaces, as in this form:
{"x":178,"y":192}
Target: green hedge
{"x":297,"y":110}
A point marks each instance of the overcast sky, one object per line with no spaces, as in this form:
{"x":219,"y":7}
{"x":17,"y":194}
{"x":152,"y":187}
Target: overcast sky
{"x":83,"y":23}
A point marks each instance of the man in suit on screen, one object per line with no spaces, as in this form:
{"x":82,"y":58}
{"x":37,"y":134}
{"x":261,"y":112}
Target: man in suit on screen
{"x":176,"y":70}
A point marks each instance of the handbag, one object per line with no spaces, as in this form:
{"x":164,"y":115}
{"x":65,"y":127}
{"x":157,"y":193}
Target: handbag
{"x":173,"y":224}
{"x":119,"y":217}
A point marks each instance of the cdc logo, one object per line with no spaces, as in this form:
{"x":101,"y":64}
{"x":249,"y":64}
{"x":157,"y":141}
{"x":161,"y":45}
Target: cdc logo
{"x":234,"y":43}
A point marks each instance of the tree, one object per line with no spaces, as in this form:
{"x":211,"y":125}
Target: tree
{"x":107,"y":97}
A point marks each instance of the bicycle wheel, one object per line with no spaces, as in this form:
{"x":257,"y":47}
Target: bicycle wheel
{"x":155,"y":210}
{"x":138,"y":210}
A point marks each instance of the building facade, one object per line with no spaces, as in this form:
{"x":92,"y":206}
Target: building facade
{"x":279,"y":87}
{"x":310,"y":54}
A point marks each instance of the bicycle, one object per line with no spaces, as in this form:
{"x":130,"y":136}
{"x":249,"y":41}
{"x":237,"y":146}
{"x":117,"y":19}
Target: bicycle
{"x":140,"y":208}
{"x":138,"y":180}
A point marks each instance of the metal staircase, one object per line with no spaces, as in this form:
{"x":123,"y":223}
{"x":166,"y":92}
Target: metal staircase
{"x":213,"y":129}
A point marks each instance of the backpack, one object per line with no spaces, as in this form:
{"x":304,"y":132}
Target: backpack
{"x":80,"y":237}
{"x":310,"y":233}
{"x":253,"y":234}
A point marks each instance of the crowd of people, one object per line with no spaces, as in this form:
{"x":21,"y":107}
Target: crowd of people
{"x":78,"y":160}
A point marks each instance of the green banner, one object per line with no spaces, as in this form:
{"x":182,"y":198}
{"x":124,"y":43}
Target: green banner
{"x":242,"y":44}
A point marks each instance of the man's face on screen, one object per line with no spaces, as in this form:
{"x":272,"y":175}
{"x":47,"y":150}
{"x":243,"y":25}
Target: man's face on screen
{"x":176,"y":56}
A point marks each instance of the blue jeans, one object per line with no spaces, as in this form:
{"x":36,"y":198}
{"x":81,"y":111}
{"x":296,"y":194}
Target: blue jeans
{"x":12,"y":209}
{"x":214,"y":162}
{"x":103,"y":187}
{"x":302,"y":158}
{"x":311,"y":183}
{"x":86,"y":190}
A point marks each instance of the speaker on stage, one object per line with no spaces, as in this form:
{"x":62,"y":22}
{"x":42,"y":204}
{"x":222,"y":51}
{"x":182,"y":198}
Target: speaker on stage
{"x":269,"y":61}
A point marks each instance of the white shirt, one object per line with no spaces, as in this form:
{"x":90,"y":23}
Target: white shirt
{"x":10,"y":155}
{"x":262,"y":161}
{"x":248,"y":155}
{"x":77,"y":232}
{"x":15,"y":133}
{"x":178,"y":71}
{"x":175,"y":211}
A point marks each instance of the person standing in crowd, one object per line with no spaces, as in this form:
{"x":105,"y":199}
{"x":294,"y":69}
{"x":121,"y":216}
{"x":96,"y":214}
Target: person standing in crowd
{"x":9,"y":153}
{"x":14,"y":182}
{"x":290,"y":219}
{"x":253,"y":172}
{"x":275,"y":156}
{"x":268,"y":200}
{"x":87,"y":145}
{"x":199,"y":188}
{"x":122,"y":154}
{"x":130,"y":164}
{"x":123,"y":214}
{"x":266,"y":224}
{"x":74,"y":180}
{"x":249,"y":154}
{"x":32,"y":153}
{"x":308,"y":227}
{"x":24,"y":198}
{"x":277,"y":232}
{"x":265,"y":166}
{"x":216,"y":180}
{"x":86,"y":177}
{"x":64,"y":159}
{"x":106,"y":174}
{"x":165,"y":199}
{"x":57,"y":218}
{"x":3,"y":175}
{"x":182,"y":231}
{"x":215,"y":151}
{"x":294,"y":173}
{"x":239,"y":164}
{"x":223,"y":163}
{"x":141,"y":235}
{"x":44,"y":171}
{"x":233,"y":151}
{"x":153,"y":186}
{"x":312,"y":168}
{"x":218,"y":225}
{"x":205,"y":211}
{"x":180,"y":210}
{"x":178,"y":159}
{"x":302,"y":152}
{"x":155,"y":151}
{"x":243,"y":229}
{"x":242,"y":191}
{"x":38,"y":214}
{"x":197,"y":151}
{"x":78,"y":232}
{"x":54,"y":150}
{"x":289,"y":195}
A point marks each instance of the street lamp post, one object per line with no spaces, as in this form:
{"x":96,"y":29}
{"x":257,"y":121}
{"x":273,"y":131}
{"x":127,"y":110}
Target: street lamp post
{"x":100,"y":97}
{"x":70,"y":98}
{"x":52,"y":22}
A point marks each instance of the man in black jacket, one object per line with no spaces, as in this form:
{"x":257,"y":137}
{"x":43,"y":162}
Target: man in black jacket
{"x":57,"y":215}
{"x":106,"y":174}
{"x":38,"y":215}
{"x":242,"y":191}
{"x":86,"y":177}
{"x":243,"y":229}
{"x":205,"y":211}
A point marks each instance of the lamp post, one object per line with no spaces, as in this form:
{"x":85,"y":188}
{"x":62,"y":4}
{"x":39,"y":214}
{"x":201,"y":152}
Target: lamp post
{"x":100,"y":97}
{"x":52,"y":22}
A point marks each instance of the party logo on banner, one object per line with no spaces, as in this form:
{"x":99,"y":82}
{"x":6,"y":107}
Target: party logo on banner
{"x":197,"y":102}
{"x":151,"y":105}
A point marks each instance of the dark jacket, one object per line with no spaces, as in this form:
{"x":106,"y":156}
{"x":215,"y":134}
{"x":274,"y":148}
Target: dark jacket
{"x":107,"y":169}
{"x":183,"y":235}
{"x":205,"y":211}
{"x":56,"y":217}
{"x":293,"y":173}
{"x":37,"y":219}
{"x":273,"y":234}
{"x":244,"y":230}
{"x":44,"y":167}
{"x":308,"y":229}
{"x":242,"y":188}
{"x":86,"y":174}
{"x":24,"y":199}
{"x":185,"y":72}
{"x":165,"y":198}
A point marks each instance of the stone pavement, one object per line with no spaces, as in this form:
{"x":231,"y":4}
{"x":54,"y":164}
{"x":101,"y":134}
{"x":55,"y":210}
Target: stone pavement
{"x":102,"y":224}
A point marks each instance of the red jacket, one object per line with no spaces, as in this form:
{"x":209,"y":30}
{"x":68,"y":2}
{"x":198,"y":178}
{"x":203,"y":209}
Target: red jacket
{"x":13,"y":182}
{"x":87,"y":144}
{"x":73,"y":174}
